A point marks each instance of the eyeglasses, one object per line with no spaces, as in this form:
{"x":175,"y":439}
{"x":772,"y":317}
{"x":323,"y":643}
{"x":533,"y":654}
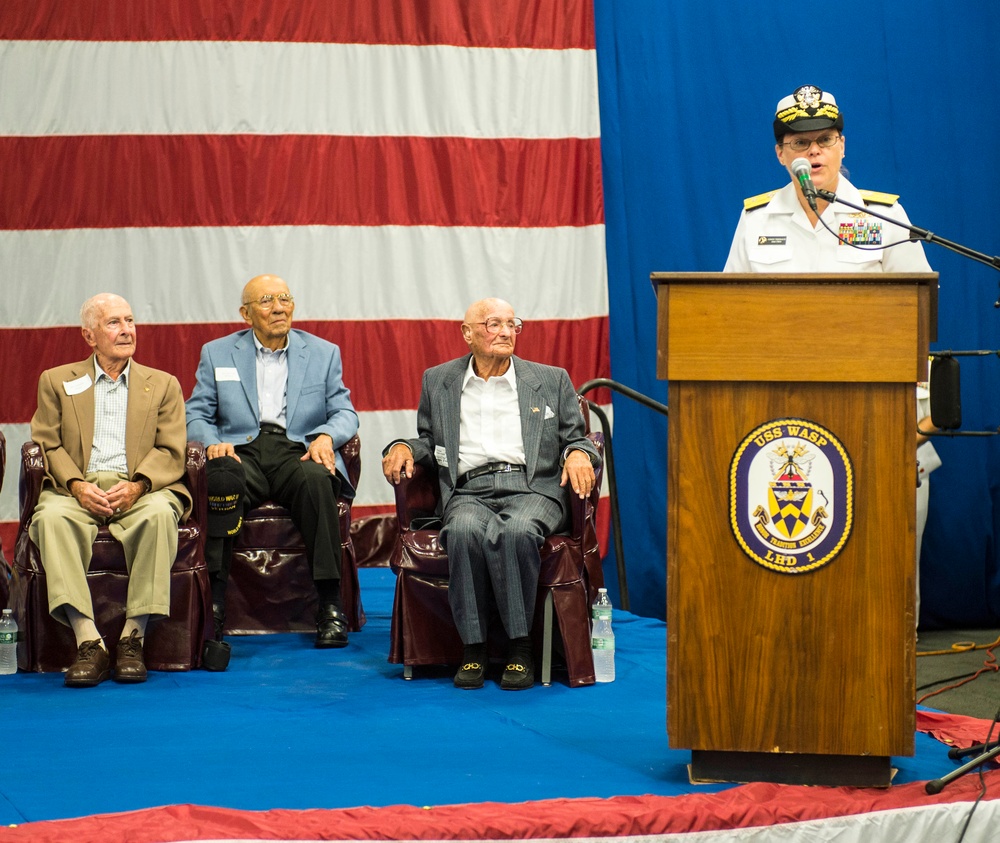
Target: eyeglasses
{"x":494,"y":325}
{"x":803,"y":144}
{"x":267,"y":302}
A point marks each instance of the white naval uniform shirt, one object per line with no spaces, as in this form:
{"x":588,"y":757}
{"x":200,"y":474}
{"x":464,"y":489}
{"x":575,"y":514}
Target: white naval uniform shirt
{"x":778,"y":237}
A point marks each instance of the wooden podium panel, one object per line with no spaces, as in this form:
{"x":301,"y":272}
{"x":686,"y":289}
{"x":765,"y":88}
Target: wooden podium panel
{"x":801,"y":677}
{"x":722,"y":325}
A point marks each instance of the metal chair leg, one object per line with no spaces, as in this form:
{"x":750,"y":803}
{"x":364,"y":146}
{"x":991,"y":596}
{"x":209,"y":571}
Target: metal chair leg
{"x":547,"y":640}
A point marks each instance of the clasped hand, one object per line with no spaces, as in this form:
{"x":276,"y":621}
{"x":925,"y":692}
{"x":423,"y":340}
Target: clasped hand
{"x":118,"y":499}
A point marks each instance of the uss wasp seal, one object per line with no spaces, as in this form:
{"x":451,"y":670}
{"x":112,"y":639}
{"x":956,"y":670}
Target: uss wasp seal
{"x":791,"y":496}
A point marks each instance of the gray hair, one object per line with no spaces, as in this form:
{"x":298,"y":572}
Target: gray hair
{"x":92,"y":309}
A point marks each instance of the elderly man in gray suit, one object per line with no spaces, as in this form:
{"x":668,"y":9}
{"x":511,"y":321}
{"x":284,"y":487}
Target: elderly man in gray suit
{"x":508,"y":440}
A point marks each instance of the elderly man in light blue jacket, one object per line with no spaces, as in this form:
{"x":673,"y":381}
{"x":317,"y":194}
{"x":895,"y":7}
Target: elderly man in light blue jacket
{"x":271,"y":407}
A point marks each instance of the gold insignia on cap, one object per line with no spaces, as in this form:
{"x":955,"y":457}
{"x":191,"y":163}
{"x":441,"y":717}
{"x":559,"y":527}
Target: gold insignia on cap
{"x":807,"y":101}
{"x":808,"y":96}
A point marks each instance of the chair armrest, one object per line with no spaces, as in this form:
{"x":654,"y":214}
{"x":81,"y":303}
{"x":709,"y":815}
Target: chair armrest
{"x":196,"y":481}
{"x":350,"y":451}
{"x":30,"y":481}
{"x":416,"y":496}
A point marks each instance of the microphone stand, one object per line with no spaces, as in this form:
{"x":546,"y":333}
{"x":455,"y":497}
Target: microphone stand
{"x":917,"y":233}
{"x":937,"y":785}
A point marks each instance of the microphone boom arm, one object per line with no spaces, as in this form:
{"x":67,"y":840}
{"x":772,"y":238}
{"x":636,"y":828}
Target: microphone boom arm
{"x":917,"y":233}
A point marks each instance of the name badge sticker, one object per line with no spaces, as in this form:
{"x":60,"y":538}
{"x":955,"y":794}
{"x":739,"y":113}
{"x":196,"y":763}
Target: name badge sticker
{"x":75,"y":387}
{"x":226,"y":373}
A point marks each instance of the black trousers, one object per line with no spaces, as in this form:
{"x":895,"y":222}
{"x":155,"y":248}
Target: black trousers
{"x":273,"y":470}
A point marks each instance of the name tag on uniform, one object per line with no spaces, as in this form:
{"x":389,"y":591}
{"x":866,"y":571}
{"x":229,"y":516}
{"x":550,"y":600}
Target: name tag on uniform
{"x":79,"y":385}
{"x":765,"y":240}
{"x":226,"y":373}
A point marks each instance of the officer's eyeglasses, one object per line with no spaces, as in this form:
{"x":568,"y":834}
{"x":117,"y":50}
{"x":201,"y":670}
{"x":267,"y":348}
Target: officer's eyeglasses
{"x":803,"y":144}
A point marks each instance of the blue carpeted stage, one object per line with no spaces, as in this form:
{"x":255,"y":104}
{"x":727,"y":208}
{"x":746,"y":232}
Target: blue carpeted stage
{"x":291,"y":727}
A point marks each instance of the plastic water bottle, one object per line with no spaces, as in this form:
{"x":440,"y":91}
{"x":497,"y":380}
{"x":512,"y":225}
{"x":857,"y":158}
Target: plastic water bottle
{"x":602,"y":641}
{"x":8,"y":643}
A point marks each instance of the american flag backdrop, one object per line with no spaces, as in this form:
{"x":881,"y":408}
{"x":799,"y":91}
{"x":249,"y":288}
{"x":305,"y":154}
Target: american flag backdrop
{"x":393,"y":160}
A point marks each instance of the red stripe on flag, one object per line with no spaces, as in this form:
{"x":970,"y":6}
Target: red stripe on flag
{"x":539,"y":24}
{"x":113,"y":181}
{"x":383,"y":361}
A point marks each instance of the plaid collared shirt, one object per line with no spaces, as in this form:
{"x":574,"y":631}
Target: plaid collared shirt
{"x":110,"y":413}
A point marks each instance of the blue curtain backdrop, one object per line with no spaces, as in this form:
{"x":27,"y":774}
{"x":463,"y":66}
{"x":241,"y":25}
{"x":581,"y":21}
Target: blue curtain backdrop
{"x":687,"y":97}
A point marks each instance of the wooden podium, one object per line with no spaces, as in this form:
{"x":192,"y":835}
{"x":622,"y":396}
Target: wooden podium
{"x":791,"y":655}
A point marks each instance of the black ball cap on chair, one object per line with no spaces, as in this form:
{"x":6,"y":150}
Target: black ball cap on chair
{"x":225,"y":504}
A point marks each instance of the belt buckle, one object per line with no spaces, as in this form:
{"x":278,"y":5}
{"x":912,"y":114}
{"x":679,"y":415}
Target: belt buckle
{"x":505,"y":468}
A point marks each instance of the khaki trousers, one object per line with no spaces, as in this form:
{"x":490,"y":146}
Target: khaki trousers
{"x":64,"y":533}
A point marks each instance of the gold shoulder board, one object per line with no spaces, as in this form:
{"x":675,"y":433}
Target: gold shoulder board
{"x":758,"y":201}
{"x":873,"y":197}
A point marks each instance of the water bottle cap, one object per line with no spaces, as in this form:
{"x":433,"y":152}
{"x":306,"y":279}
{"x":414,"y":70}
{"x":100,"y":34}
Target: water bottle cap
{"x":602,"y":591}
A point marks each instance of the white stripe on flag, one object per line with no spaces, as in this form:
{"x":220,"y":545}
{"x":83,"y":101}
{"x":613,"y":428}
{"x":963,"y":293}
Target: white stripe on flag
{"x":223,"y":87}
{"x":179,"y":275}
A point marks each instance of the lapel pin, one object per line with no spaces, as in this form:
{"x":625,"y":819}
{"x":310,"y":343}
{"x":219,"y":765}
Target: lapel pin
{"x":534,"y":409}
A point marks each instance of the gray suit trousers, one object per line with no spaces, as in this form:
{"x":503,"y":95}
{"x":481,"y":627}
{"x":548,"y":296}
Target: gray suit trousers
{"x":493,"y":530}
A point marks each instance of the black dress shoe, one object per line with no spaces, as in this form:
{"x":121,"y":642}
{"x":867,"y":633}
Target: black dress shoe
{"x":331,"y":627}
{"x":470,"y":674}
{"x":519,"y":672}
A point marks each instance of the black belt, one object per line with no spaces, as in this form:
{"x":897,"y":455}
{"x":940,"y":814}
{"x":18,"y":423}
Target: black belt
{"x":489,"y":468}
{"x":272,"y":428}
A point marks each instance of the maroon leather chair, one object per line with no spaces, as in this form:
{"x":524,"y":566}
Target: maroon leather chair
{"x":422,"y":630}
{"x":271,"y":588}
{"x":172,"y":643}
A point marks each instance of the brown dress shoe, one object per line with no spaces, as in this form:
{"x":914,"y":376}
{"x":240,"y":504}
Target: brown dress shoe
{"x":129,"y":666}
{"x":92,"y":666}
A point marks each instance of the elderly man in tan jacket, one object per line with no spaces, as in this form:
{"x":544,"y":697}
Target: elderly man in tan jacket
{"x":113,"y":437}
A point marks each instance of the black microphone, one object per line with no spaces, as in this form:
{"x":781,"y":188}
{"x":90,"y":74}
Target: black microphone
{"x":801,"y":170}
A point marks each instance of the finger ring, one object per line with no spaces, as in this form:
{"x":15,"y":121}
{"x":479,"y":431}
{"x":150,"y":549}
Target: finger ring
{"x":118,"y":509}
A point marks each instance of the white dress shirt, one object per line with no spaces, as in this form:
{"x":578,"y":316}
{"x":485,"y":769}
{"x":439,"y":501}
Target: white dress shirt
{"x":490,"y":426}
